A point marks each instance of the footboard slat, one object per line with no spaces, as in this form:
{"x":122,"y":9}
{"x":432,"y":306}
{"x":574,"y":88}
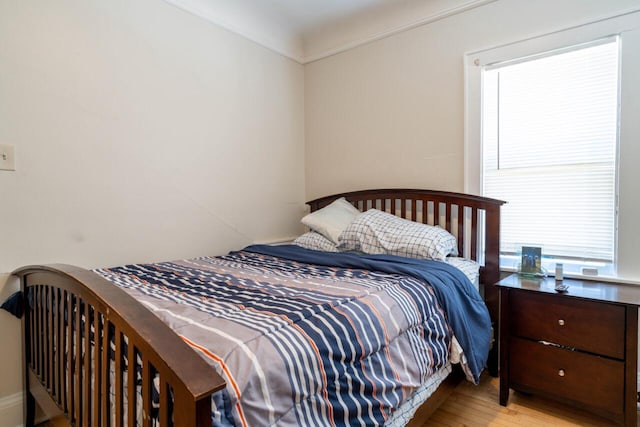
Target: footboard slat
{"x":59,"y":345}
{"x":104,"y":375}
{"x":31,"y":319}
{"x":37,"y":363}
{"x":50,"y":345}
{"x":118,"y":376}
{"x":77,"y":371}
{"x":86,"y":369}
{"x":70,"y":352}
{"x":146,"y":391}
{"x":64,"y":354}
{"x":131,"y":385}
{"x":164,"y":403}
{"x":39,"y":338}
{"x":97,"y":365}
{"x":83,"y":337}
{"x":43,"y":337}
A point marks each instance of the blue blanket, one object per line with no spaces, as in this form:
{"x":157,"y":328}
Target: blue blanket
{"x":466,"y":312}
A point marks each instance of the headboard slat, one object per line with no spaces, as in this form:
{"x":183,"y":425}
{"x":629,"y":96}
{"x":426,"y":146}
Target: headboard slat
{"x":460,"y":229}
{"x":447,"y":218}
{"x":425,"y":212}
{"x":414,"y":204}
{"x":474,"y":233}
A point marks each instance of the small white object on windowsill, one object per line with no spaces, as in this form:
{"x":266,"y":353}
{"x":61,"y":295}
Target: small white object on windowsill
{"x":559,"y":272}
{"x":560,"y":287}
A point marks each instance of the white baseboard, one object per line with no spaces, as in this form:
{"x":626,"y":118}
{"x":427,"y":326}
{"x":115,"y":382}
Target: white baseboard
{"x":11,"y":410}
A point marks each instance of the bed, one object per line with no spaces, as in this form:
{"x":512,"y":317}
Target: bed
{"x":121,"y":364}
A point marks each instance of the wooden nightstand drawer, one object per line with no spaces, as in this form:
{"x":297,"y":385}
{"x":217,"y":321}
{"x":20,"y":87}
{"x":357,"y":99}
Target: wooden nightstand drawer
{"x":588,"y":380}
{"x":585,"y":325}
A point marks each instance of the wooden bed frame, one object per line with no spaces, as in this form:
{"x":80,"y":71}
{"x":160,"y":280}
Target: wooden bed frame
{"x":65,"y":304}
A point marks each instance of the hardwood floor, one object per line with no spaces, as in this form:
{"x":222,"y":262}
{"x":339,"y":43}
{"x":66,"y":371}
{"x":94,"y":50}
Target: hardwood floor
{"x":473,"y":406}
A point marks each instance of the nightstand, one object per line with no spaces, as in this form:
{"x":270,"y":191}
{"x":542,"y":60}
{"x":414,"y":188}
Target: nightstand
{"x":578,"y":347}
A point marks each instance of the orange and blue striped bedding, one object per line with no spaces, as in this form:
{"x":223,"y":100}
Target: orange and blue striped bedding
{"x":299,"y":343}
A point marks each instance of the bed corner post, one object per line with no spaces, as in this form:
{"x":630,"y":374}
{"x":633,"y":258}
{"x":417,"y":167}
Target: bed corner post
{"x":491,"y":277}
{"x":29,"y":409}
{"x":29,"y":405}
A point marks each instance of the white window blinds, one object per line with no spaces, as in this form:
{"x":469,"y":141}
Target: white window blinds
{"x":549,"y":138}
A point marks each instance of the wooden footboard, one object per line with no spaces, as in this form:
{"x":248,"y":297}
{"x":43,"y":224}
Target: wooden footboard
{"x":100,"y":355}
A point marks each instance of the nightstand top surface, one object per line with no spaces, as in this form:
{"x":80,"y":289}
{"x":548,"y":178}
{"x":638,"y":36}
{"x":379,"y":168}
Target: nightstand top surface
{"x":601,"y":291}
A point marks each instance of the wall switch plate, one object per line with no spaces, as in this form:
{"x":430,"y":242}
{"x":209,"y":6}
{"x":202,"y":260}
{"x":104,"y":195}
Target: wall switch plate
{"x":7,"y":157}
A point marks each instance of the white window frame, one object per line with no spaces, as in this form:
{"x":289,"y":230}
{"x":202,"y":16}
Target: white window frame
{"x":473,"y":65}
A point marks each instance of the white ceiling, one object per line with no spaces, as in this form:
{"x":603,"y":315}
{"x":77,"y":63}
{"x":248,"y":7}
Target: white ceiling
{"x":303,"y":16}
{"x":307,"y":30}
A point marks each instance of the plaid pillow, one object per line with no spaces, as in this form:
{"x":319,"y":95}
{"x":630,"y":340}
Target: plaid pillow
{"x":316,"y":242}
{"x":377,"y":232}
{"x":470,"y":268}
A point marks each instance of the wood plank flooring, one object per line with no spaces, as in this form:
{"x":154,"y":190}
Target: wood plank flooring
{"x":471,"y":405}
{"x":477,"y":406}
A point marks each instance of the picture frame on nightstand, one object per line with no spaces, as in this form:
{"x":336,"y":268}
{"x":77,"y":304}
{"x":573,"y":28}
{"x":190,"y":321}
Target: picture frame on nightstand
{"x":531,"y":261}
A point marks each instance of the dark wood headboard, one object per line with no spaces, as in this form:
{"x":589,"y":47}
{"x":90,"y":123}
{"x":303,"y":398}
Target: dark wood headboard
{"x":474,"y":220}
{"x":440,"y":208}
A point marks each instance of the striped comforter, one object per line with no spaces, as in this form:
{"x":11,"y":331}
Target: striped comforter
{"x":297,"y":343}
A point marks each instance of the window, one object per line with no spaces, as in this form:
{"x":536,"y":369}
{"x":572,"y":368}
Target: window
{"x":549,"y":147}
{"x":618,"y":236}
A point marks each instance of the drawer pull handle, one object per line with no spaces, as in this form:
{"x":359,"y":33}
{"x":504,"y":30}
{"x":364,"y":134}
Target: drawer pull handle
{"x":561,"y":322}
{"x":561,"y":372}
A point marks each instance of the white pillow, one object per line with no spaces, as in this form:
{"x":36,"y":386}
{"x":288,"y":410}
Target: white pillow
{"x":332,"y":219}
{"x":315,"y":241}
{"x":377,"y":232}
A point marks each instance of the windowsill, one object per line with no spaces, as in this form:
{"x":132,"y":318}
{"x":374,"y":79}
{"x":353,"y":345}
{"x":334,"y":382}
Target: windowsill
{"x":572,"y":269}
{"x":603,"y":278}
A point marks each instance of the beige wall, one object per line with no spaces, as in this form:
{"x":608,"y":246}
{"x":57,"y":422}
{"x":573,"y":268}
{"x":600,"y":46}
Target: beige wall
{"x":141,"y":133}
{"x":391,"y":113}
